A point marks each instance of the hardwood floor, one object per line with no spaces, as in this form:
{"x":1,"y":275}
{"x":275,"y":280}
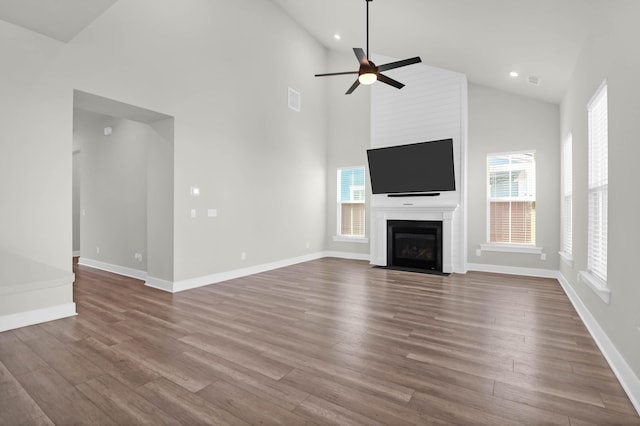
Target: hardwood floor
{"x":325,"y":342}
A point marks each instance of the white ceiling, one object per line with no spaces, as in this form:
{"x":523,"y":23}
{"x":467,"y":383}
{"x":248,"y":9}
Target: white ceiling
{"x":485,"y":39}
{"x":58,"y":19}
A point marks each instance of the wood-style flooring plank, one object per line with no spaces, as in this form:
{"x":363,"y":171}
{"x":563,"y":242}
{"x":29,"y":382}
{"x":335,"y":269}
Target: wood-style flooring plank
{"x":17,"y":406}
{"x":328,"y":342}
{"x":124,"y":405}
{"x":61,"y":401}
{"x":187,"y":407}
{"x":275,"y":391}
{"x":249,"y":407}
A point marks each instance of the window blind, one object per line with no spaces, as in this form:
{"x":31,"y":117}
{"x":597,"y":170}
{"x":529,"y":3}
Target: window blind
{"x":598,"y":183}
{"x":512,"y":198}
{"x":351,"y":201}
{"x":567,"y":195}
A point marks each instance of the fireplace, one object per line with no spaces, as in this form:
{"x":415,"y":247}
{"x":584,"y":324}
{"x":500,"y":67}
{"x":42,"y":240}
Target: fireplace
{"x":415,"y":245}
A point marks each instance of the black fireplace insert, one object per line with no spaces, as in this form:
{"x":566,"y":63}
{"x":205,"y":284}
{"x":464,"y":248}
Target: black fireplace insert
{"x":415,"y":245}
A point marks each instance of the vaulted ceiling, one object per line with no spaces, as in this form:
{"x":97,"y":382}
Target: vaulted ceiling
{"x":484,"y":39}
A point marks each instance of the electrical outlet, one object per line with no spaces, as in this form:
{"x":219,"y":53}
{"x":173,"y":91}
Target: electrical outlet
{"x":97,"y":250}
{"x":543,"y":256}
{"x":308,"y":244}
{"x":243,"y":256}
{"x":194,"y":213}
{"x":138,"y":257}
{"x":478,"y":252}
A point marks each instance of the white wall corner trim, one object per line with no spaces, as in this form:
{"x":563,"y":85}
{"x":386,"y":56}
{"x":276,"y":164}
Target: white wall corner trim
{"x":120,"y":270}
{"x":36,"y":316}
{"x":512,"y":270}
{"x":159,"y":284}
{"x":630,"y":382}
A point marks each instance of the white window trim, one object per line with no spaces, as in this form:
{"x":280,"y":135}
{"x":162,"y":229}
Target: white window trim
{"x":567,"y":258}
{"x":349,"y":239}
{"x":506,"y":247}
{"x":593,"y":281}
{"x":598,"y":286}
{"x":512,"y":248}
{"x":566,"y":238}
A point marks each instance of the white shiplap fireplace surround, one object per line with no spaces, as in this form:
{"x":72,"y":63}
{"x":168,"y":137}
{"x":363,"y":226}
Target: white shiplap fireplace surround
{"x":432,"y":106}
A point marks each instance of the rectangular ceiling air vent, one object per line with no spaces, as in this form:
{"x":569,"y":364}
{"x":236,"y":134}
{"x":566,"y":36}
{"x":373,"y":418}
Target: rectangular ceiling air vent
{"x":532,"y":79}
{"x":294,"y":100}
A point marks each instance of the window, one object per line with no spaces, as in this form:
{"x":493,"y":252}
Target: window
{"x":512,"y":198}
{"x":351,"y":205}
{"x":567,"y":198}
{"x":598,"y":184}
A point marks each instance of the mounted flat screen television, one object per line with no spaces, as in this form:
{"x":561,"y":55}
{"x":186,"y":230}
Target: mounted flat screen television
{"x":420,"y":167}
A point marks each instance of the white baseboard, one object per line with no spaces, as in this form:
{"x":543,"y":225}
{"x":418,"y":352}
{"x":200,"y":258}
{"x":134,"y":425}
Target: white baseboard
{"x":346,"y":255}
{"x":116,"y":269}
{"x":174,"y":287}
{"x":159,"y":284}
{"x":36,"y":316}
{"x":629,"y":381}
{"x":512,"y":270}
{"x":239,"y":273}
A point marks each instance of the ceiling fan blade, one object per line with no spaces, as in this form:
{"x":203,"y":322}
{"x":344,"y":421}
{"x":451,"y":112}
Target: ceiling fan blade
{"x":391,"y":82}
{"x":362,"y":57}
{"x":336,"y":73}
{"x":353,"y":87}
{"x":398,"y":64}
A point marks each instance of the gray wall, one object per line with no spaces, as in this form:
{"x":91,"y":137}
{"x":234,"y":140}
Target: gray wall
{"x":612,"y":52}
{"x":113,"y":189}
{"x":260,"y":164}
{"x":76,"y":201}
{"x":159,"y":255}
{"x":503,"y":122}
{"x":348,"y":138}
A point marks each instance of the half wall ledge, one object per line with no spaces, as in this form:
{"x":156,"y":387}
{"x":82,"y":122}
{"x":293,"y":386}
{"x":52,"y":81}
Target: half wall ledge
{"x":32,"y":292}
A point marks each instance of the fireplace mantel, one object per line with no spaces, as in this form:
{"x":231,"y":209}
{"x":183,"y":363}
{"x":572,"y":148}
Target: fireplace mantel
{"x":441,"y":212}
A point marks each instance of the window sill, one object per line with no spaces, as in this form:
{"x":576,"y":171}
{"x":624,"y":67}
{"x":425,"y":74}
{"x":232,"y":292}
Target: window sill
{"x":347,"y":239}
{"x":512,"y":248}
{"x":567,"y":258}
{"x":596,"y":284}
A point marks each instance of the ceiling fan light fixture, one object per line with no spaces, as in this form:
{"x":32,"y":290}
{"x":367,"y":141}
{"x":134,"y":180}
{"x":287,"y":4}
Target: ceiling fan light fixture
{"x":369,"y":72}
{"x":368,"y":78}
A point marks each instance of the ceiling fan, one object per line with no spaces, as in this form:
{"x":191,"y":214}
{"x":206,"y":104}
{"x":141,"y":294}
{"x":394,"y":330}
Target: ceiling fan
{"x":370,"y":72}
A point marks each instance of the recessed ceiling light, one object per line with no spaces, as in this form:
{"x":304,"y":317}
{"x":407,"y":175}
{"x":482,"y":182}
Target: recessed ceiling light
{"x":337,"y":36}
{"x":514,"y":74}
